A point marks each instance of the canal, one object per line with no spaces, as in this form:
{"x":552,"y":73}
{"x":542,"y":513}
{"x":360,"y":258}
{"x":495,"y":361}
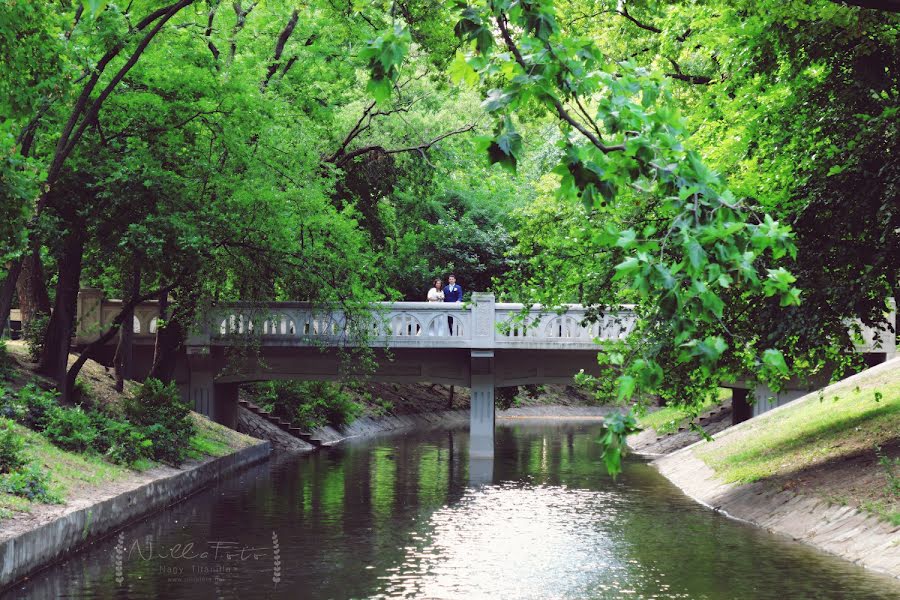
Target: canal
{"x":407,"y":516}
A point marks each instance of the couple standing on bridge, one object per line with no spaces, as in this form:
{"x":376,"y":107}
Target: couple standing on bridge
{"x":451,"y":293}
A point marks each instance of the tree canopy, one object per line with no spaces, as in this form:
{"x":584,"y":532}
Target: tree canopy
{"x":729,"y":167}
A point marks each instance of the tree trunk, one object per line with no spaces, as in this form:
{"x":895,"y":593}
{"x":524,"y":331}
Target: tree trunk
{"x":31,"y":288}
{"x":7,"y":291}
{"x":170,"y":335}
{"x":55,"y":355}
{"x":124,"y":350}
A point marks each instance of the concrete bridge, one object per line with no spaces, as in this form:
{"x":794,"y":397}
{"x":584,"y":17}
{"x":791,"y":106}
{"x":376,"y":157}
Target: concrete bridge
{"x":482,"y":345}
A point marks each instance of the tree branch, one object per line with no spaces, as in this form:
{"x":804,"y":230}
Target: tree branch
{"x":623,"y":11}
{"x":279,"y":47}
{"x":680,"y":76}
{"x":107,"y":335}
{"x":417,"y":148}
{"x":560,"y":109}
{"x":91,"y":114}
{"x":213,"y":7}
{"x":241,"y":15}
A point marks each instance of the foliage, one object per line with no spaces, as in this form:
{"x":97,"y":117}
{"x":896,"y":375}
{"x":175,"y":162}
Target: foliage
{"x":71,"y":429}
{"x":615,"y":430}
{"x":163,"y":418}
{"x":38,"y":406}
{"x":34,"y":332}
{"x":120,"y":441}
{"x":309,"y":404}
{"x":11,"y":446}
{"x":32,"y":483}
{"x":7,"y":363}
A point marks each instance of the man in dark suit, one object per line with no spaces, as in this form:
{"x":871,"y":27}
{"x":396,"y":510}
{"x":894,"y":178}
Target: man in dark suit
{"x":452,"y":293}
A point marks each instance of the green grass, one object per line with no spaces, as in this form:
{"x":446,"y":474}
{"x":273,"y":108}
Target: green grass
{"x":69,"y":471}
{"x":670,"y":418}
{"x":212,"y":439}
{"x":845,"y":422}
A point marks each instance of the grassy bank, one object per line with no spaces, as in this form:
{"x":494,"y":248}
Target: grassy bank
{"x":74,"y":477}
{"x":669,"y":418}
{"x":842,"y":445}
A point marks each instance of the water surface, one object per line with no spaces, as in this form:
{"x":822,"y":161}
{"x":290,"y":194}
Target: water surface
{"x":408,"y":516}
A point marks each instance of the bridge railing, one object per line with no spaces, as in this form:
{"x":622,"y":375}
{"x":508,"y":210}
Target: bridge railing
{"x":570,"y":326}
{"x":418,"y":324}
{"x":481,"y":323}
{"x":299,"y":321}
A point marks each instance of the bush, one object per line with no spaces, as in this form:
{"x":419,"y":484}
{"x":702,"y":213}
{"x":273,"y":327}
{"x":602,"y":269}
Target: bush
{"x":130,"y":445}
{"x":32,"y":483}
{"x":71,"y":429}
{"x":309,"y":404}
{"x":38,"y":405}
{"x":11,"y":446}
{"x":158,"y":411}
{"x":10,"y":407}
{"x":122,"y":442}
{"x":34,"y":333}
{"x":7,"y":363}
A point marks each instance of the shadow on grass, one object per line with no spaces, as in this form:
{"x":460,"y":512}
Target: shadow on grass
{"x":821,"y":433}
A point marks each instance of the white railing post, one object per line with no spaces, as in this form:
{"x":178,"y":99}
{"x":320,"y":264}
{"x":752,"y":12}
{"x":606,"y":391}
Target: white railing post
{"x":484,"y":315}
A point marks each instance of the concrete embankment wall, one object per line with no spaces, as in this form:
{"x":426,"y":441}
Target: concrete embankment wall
{"x":845,"y":531}
{"x":841,"y":530}
{"x":37,"y":548}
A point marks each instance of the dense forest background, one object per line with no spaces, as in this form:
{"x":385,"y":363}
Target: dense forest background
{"x":729,"y":167}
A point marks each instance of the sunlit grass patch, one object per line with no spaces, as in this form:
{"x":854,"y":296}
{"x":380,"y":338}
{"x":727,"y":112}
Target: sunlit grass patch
{"x":212,"y":439}
{"x":825,"y":443}
{"x":670,"y":418}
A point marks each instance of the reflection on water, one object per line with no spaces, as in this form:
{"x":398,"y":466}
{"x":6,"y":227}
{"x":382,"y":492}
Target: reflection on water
{"x":410,"y":516}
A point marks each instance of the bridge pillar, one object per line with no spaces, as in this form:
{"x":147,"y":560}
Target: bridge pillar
{"x":201,"y":388}
{"x":481,"y":412}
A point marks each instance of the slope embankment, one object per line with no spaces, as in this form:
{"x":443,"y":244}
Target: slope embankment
{"x":824,"y":469}
{"x":94,"y":496}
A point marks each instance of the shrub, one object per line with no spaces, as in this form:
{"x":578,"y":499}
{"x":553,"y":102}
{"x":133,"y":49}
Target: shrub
{"x":10,"y":407}
{"x":158,"y":411}
{"x":122,"y":442}
{"x":71,"y":429}
{"x":309,"y":404}
{"x":11,"y":446}
{"x":82,"y":393}
{"x":34,"y":333}
{"x":7,"y":363}
{"x":130,"y":445}
{"x":32,"y":483}
{"x":38,"y":405}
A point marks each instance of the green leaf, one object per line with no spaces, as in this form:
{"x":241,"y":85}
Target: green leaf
{"x":775,"y":359}
{"x":461,"y":71}
{"x":625,"y":385}
{"x":95,"y":6}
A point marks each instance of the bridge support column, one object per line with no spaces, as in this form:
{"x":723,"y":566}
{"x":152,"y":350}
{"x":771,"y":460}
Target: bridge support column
{"x":201,"y":390}
{"x":225,"y":404}
{"x":481,"y":413}
{"x":741,"y":409}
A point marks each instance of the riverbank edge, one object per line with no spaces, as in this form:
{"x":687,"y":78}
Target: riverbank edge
{"x":842,"y":531}
{"x":41,"y":547}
